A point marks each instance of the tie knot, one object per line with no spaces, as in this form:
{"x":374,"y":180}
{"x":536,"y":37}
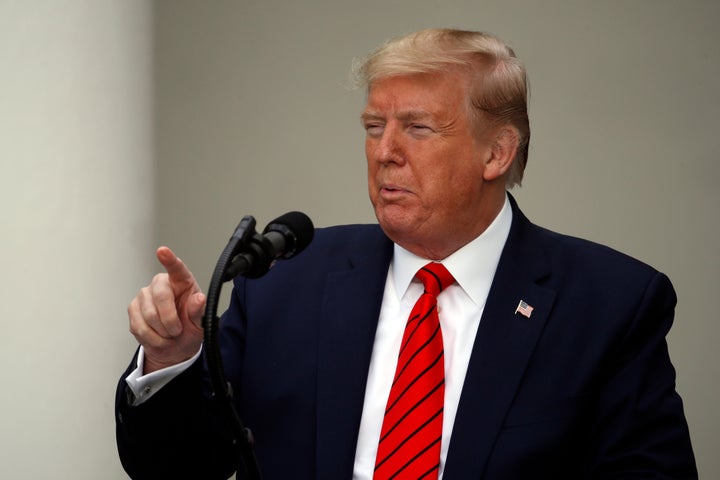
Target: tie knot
{"x":435,"y":277}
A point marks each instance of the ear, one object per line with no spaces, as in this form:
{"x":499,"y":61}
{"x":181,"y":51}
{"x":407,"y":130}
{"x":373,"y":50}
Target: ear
{"x":504,"y":145}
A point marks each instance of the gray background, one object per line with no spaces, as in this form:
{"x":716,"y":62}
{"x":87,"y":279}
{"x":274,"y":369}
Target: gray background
{"x":188,"y":115}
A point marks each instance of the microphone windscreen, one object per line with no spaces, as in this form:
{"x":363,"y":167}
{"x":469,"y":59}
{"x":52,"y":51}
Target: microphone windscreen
{"x":298,"y":226}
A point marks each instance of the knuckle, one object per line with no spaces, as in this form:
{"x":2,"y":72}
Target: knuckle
{"x":149,"y":314}
{"x":161,"y":292}
{"x":139,"y":331}
{"x":159,"y":278}
{"x":133,"y":307}
{"x":138,"y":327}
{"x":163,"y":296}
{"x":172,"y":325}
{"x":148,"y":338}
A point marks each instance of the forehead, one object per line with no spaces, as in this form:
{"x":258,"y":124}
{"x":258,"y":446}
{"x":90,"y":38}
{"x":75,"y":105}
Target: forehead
{"x":433,"y":93}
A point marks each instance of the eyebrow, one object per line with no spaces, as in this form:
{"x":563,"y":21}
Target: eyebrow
{"x":365,"y":116}
{"x":405,"y":116}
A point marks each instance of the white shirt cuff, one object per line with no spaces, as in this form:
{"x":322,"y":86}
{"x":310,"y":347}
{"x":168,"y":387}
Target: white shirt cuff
{"x":145,"y":386}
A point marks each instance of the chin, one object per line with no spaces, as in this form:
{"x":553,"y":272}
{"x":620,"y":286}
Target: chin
{"x":398,"y":232}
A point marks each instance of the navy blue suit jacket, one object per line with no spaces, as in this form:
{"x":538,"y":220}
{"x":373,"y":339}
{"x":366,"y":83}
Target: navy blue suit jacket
{"x":583,"y":388}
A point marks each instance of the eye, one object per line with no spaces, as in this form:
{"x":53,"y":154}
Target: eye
{"x":374,"y":129}
{"x":420,"y":129}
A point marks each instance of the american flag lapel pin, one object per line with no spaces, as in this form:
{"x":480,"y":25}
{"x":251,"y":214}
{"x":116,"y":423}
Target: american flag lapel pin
{"x":524,"y":309}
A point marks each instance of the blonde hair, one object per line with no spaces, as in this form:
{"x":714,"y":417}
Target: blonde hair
{"x":498,"y":81}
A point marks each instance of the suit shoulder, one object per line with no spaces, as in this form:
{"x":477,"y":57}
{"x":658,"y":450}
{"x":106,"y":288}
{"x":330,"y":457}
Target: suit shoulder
{"x":571,"y":252}
{"x":338,"y":246}
{"x":593,"y":258}
{"x":348,"y":237}
{"x":590,"y":276}
{"x":332,"y":249}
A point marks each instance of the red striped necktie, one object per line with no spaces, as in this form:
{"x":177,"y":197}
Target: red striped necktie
{"x":409,"y":446}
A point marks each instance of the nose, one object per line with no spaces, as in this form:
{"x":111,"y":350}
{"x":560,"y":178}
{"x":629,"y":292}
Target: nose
{"x":386,"y":148}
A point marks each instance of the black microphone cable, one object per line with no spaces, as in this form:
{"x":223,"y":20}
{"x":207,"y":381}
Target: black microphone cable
{"x":250,"y":254}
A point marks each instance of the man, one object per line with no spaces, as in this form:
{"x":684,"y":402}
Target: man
{"x":553,"y":361}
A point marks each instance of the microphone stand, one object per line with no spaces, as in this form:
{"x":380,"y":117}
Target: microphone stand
{"x":222,"y":390}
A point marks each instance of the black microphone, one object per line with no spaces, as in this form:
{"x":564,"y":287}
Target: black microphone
{"x":284,"y":237}
{"x":289,"y":234}
{"x":250,"y":254}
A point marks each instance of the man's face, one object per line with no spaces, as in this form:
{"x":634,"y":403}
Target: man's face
{"x":425,"y":167}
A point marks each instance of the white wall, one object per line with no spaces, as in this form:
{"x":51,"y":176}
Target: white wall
{"x":253,"y":118}
{"x":76,"y":179}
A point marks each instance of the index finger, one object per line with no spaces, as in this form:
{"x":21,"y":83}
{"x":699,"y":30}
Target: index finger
{"x":179,"y":275}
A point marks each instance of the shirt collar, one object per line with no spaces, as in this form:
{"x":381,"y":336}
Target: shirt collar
{"x":473,"y":265}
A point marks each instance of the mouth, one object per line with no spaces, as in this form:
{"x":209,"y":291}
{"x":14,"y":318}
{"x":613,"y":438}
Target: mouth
{"x":391,"y":191}
{"x":392,"y":187}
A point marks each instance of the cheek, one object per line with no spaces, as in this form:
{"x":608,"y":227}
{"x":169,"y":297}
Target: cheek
{"x":370,"y":158}
{"x":371,"y":175}
{"x":455,"y":186}
{"x":372,"y":183}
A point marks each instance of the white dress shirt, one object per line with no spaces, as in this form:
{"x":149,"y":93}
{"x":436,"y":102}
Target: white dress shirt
{"x":460,"y":307}
{"x":145,"y":386}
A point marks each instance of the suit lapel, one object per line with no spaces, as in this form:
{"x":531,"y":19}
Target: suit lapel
{"x":350,"y":311}
{"x":504,"y":344}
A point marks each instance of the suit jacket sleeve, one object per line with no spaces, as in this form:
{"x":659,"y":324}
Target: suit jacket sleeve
{"x":178,"y":433}
{"x":640,"y":429}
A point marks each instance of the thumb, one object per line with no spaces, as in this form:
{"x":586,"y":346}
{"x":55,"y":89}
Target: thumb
{"x":195,"y":308}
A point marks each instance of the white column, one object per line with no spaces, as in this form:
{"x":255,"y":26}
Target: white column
{"x":77,"y":226}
